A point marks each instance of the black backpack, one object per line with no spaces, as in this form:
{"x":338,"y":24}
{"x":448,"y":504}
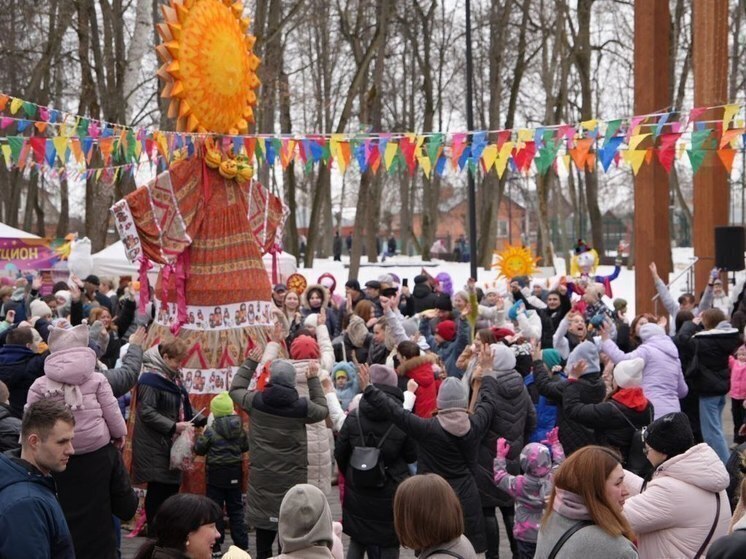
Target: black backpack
{"x":637,"y":461}
{"x":366,"y":462}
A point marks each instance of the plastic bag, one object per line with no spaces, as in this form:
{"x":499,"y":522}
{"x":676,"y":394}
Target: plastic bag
{"x":181,"y":452}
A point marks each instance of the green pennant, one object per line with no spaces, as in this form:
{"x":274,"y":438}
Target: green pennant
{"x":29,"y":109}
{"x":259,"y":151}
{"x":83,"y":127}
{"x":696,"y":158}
{"x":546,"y":157}
{"x":433,"y":144}
{"x":548,"y":136}
{"x":612,"y":127}
{"x":326,"y":151}
{"x":16,"y":145}
{"x":308,"y":168}
{"x":131,"y":141}
{"x":699,"y":137}
{"x":697,"y":153}
{"x":277,"y":145}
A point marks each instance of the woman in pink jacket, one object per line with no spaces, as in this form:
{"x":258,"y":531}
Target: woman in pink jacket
{"x":70,"y":375}
{"x":684,"y":507}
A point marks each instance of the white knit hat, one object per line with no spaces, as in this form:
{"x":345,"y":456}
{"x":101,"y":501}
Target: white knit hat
{"x":628,"y":374}
{"x":40,"y":308}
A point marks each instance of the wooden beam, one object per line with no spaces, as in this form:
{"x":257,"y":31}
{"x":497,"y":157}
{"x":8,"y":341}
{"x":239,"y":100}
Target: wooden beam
{"x":710,"y":63}
{"x":652,"y":94}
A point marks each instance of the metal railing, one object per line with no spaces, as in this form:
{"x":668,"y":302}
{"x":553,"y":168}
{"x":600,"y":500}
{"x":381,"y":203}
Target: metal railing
{"x":689,"y":271}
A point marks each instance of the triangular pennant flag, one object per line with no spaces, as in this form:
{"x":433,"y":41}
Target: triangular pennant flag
{"x":729,"y":136}
{"x":5,"y":122}
{"x":51,"y":153}
{"x":729,"y":111}
{"x":434,"y":146}
{"x":696,"y":112}
{"x":726,"y":156}
{"x":38,"y":145}
{"x":546,"y":157}
{"x":22,"y":125}
{"x":696,"y":158}
{"x":503,"y":157}
{"x":612,"y":127}
{"x":29,"y":109}
{"x":40,"y":126}
{"x":458,"y":144}
{"x":390,"y":153}
{"x":524,"y":156}
{"x":77,"y":151}
{"x":106,"y":146}
{"x":15,"y":105}
{"x":635,"y":157}
{"x":3,"y":101}
{"x":667,"y":149}
{"x":345,"y":153}
{"x":661,"y":123}
{"x":580,"y":152}
{"x":489,"y":155}
{"x":425,"y":163}
{"x":7,"y":155}
{"x":609,"y":151}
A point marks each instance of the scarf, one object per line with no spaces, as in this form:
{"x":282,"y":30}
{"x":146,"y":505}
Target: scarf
{"x":153,"y":361}
{"x":570,"y":505}
{"x":70,"y":392}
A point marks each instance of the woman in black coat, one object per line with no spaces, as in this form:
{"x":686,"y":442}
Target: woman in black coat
{"x":368,"y":516}
{"x":163,"y":410}
{"x":514,"y":420}
{"x":447,"y":444}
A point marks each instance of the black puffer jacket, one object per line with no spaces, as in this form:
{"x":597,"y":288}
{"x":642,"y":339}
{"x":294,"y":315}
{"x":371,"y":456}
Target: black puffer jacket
{"x":573,"y":435}
{"x":447,"y":445}
{"x":424,"y":297}
{"x":514,"y":420}
{"x":368,"y":513}
{"x":708,"y":373}
{"x":610,"y":419}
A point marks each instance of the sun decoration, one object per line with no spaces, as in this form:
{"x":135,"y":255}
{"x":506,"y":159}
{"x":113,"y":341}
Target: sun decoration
{"x":209,"y":67}
{"x":515,"y":261}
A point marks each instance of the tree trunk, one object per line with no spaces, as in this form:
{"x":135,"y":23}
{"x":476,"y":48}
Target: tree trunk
{"x":137,"y":48}
{"x":63,"y":225}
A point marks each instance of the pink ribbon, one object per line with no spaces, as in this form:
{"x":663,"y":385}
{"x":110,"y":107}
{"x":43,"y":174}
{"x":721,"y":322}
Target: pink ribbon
{"x":145,"y":265}
{"x":182,"y":268}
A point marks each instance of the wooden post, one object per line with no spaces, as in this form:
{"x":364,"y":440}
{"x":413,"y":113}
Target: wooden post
{"x":710,"y":62}
{"x":651,"y":228}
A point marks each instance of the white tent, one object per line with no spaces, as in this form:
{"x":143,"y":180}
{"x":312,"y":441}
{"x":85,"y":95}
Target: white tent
{"x":8,"y":232}
{"x":112,"y":261}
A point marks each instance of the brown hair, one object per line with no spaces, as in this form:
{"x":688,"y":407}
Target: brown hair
{"x":365,"y":310}
{"x":95,"y":315}
{"x":20,"y":336}
{"x":175,"y":348}
{"x":408,"y":349}
{"x":40,"y":418}
{"x":585,"y":473}
{"x":486,"y":336}
{"x":711,"y":318}
{"x":651,"y":318}
{"x":427,"y":512}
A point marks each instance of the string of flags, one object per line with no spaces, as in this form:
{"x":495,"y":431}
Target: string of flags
{"x":67,"y":145}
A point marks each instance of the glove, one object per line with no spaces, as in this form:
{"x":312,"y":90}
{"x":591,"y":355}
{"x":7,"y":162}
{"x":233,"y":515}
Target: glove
{"x":598,"y":319}
{"x":514,"y":310}
{"x":503,"y":448}
{"x":553,"y":436}
{"x":715,"y":273}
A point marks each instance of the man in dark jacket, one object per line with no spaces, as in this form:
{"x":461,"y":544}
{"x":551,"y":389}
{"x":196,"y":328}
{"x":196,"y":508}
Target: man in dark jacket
{"x":31,"y":519}
{"x":91,"y":285}
{"x":423,"y":295}
{"x":573,"y":435}
{"x":368,"y":512}
{"x":708,"y":374}
{"x":557,"y":306}
{"x":337,"y":246}
{"x":514,"y":420}
{"x":20,"y":366}
{"x":277,"y":438}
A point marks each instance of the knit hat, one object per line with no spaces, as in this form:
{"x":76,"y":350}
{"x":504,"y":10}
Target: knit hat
{"x":93,"y":279}
{"x":516,"y":309}
{"x":588,"y":352}
{"x":620,"y":304}
{"x":629,"y":373}
{"x":670,"y":435}
{"x":282,"y":372}
{"x":305,"y":519}
{"x":422,"y":344}
{"x":422,"y":278}
{"x":304,"y":347}
{"x":536,"y":460}
{"x":381,"y":374}
{"x":452,"y":394}
{"x":446,"y":329}
{"x":60,"y":339}
{"x":345,"y":368}
{"x":373,"y":284}
{"x":40,"y":308}
{"x":280,"y":288}
{"x":221,"y":405}
{"x":443,"y":302}
{"x":502,"y":333}
{"x":357,"y":331}
{"x":63,"y":294}
{"x":551,"y":357}
{"x":312,"y":320}
{"x":649,"y":330}
{"x":235,"y":553}
{"x":503,"y":358}
{"x":410,"y":326}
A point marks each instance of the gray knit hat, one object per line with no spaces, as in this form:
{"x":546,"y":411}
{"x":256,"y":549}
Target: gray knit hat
{"x":452,"y":394}
{"x":305,"y":519}
{"x":588,"y":352}
{"x":282,"y":372}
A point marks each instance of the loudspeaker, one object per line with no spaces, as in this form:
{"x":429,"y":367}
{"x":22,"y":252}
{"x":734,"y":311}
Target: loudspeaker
{"x":730,"y":244}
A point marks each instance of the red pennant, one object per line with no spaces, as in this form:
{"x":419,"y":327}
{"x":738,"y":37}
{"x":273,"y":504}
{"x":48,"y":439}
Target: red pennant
{"x":525,"y":156}
{"x":39,"y":147}
{"x":667,"y":149}
{"x":502,"y":137}
{"x":250,"y":145}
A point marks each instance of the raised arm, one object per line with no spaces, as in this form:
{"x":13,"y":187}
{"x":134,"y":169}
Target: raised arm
{"x":239,"y":390}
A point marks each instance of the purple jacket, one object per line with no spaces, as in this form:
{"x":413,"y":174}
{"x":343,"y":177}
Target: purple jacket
{"x":662,"y":378}
{"x":70,"y":375}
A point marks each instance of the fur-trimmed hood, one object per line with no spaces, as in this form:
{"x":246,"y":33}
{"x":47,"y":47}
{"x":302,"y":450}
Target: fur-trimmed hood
{"x":415,"y":362}
{"x":304,"y":297}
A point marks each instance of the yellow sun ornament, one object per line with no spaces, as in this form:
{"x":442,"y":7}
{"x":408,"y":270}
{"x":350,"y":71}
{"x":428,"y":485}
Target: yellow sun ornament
{"x":515,"y":261}
{"x":209,"y":67}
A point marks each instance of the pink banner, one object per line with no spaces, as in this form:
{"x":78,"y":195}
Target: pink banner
{"x":32,"y":254}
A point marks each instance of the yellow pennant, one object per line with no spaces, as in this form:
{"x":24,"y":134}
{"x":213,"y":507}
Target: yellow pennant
{"x":525,"y":135}
{"x":566,"y":161}
{"x":489,"y":155}
{"x":15,"y":105}
{"x":60,"y":144}
{"x":728,"y":113}
{"x":6,"y":155}
{"x":589,"y":124}
{"x":390,"y":154}
{"x":635,"y":157}
{"x":636,"y":140}
{"x":425,"y":163}
{"x":502,"y":158}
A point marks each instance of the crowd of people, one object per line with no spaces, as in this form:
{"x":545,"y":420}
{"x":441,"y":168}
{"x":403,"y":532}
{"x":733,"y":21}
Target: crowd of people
{"x":429,"y":407}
